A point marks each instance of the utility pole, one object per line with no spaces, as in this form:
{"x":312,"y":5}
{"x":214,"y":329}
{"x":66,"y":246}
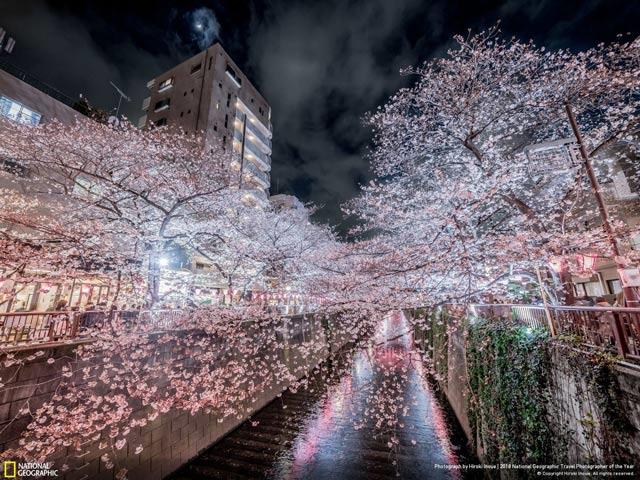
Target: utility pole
{"x":629,"y":292}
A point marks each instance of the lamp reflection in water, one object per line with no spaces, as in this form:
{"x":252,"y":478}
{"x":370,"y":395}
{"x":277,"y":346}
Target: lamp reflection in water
{"x":330,"y":447}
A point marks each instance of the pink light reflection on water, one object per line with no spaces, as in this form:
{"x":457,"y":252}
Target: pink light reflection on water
{"x":341,"y":400}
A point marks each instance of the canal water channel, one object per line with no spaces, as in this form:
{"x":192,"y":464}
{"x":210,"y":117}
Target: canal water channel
{"x":381,"y":418}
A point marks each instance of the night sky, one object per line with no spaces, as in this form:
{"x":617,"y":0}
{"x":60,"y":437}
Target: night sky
{"x":321,"y":65}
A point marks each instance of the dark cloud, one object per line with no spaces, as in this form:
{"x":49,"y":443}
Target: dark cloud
{"x":321,"y":65}
{"x":206,"y":28}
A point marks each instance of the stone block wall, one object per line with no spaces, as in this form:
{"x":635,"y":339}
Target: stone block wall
{"x":168,"y":442}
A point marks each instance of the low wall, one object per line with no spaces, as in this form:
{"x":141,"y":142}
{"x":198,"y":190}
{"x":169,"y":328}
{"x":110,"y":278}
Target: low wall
{"x":168,"y":442}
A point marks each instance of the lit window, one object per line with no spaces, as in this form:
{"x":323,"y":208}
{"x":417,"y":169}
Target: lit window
{"x":18,"y":112}
{"x":165,"y":85}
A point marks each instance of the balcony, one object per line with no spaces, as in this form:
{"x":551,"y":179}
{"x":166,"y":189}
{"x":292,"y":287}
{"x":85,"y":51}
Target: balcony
{"x":259,"y":175}
{"x":251,"y":118}
{"x":251,"y":171}
{"x":260,"y":139}
{"x":253,"y":153}
{"x":145,"y":103}
{"x":142,"y":121}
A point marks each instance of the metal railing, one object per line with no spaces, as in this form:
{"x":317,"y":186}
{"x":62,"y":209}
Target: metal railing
{"x":32,"y":328}
{"x":37,"y":327}
{"x":25,"y":328}
{"x":613,"y":329}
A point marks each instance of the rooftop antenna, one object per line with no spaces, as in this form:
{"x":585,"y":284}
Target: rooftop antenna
{"x":122,"y":95}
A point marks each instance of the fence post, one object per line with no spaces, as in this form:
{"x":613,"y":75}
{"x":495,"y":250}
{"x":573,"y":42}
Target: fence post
{"x":75,"y":318}
{"x":552,"y":329}
{"x":618,"y":333}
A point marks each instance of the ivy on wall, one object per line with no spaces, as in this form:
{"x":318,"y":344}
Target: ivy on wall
{"x":514,"y":408}
{"x":508,"y":367}
{"x":612,"y":434}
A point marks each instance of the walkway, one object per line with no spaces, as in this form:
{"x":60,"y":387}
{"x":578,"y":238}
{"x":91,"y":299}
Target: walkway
{"x":330,"y":432}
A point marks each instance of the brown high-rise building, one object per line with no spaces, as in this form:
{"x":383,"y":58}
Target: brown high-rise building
{"x":208,"y":93}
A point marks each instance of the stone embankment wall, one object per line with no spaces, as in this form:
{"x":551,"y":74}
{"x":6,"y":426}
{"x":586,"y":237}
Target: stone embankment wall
{"x":169,"y":441}
{"x":591,"y":414}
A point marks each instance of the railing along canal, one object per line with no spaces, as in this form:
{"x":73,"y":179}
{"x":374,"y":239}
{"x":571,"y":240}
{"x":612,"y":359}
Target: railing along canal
{"x":26,"y":328}
{"x":614,"y":329}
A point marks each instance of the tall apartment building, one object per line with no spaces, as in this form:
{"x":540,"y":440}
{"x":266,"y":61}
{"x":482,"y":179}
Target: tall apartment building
{"x":208,"y":93}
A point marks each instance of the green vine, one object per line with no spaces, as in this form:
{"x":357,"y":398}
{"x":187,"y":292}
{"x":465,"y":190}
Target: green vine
{"x":516,"y":412}
{"x":612,"y":433}
{"x":508,"y":368}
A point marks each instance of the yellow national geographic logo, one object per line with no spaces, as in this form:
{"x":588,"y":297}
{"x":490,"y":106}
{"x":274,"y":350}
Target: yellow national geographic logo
{"x":9,"y":469}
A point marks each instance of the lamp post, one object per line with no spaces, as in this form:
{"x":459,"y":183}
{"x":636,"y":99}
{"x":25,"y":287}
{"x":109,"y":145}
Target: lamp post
{"x":629,"y":292}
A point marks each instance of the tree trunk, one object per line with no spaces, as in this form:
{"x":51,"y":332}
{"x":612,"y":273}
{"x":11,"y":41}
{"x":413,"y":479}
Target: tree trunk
{"x":153,"y":277}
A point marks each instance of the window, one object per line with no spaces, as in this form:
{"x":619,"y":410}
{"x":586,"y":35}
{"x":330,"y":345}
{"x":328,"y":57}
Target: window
{"x":220,"y":84}
{"x":224,"y":141}
{"x":161,"y":122}
{"x":18,"y":112}
{"x":182,"y":114}
{"x":226,"y":121}
{"x":261,"y":111}
{"x":215,"y":128}
{"x":614,"y":286}
{"x":188,"y":112}
{"x":252,"y":100}
{"x":162,"y":104}
{"x":228,"y":99}
{"x":210,"y":61}
{"x":231,"y":73}
{"x":192,"y":90}
{"x":196,"y":68}
{"x":165,"y":84}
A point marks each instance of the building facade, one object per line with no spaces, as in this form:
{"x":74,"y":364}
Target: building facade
{"x":24,"y":99}
{"x":27,"y":100}
{"x":208,"y":93}
{"x":616,"y":168}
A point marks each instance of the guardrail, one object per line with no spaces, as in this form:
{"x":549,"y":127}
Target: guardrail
{"x":615,"y":329}
{"x":26,"y":328}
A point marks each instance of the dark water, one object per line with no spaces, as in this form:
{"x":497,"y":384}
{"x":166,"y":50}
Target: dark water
{"x":381,"y":419}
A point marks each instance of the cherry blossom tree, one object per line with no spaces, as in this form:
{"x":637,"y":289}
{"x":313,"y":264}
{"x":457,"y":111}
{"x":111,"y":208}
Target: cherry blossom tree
{"x":120,"y":192}
{"x":457,"y":198}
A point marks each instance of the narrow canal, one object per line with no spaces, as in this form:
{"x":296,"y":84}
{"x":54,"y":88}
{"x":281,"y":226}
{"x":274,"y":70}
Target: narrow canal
{"x":380,"y":419}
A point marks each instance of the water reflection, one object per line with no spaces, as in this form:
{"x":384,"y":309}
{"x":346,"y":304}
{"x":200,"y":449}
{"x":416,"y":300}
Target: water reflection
{"x":381,"y":420}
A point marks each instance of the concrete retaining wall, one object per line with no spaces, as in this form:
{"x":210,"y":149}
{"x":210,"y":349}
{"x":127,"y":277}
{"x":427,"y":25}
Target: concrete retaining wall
{"x":169,"y":441}
{"x":575,"y":409}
